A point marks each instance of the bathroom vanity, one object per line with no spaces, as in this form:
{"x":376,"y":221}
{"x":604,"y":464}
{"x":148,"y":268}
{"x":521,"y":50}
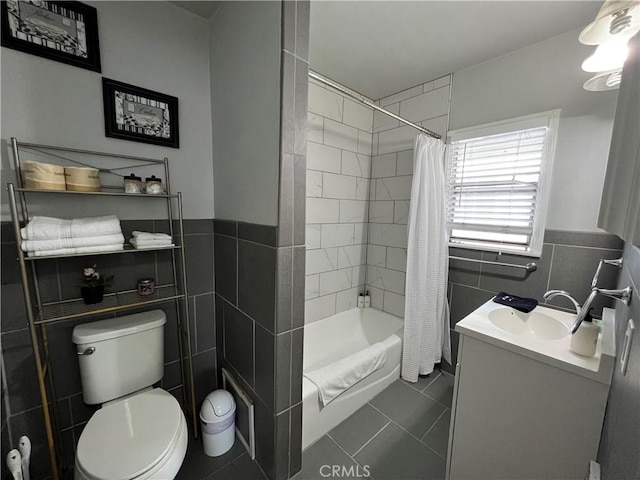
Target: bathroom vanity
{"x":524,"y":406}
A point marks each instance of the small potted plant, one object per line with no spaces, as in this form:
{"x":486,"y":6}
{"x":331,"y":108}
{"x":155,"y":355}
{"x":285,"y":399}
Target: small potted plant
{"x":93,"y":286}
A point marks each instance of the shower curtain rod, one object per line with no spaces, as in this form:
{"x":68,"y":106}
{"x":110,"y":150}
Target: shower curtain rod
{"x":369,"y":103}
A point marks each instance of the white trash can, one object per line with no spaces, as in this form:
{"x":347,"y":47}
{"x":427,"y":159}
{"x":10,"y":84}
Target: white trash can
{"x":218,"y":419}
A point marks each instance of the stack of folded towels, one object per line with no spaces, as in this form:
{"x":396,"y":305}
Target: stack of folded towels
{"x":44,"y":236}
{"x":142,"y":240}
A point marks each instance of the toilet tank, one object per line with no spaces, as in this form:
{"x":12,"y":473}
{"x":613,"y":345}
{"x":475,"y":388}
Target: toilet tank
{"x":127,"y":355}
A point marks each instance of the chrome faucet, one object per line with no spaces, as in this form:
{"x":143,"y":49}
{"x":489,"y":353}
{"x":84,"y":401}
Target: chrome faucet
{"x":561,"y":293}
{"x":623,"y":294}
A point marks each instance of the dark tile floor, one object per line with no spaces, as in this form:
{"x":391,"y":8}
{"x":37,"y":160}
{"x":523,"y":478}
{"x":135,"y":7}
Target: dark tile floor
{"x":233,"y":465}
{"x":400,"y":434}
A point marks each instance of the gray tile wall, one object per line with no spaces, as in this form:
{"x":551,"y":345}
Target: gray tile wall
{"x":568,"y":262}
{"x":259,"y":272}
{"x":618,"y":454}
{"x":60,"y":280}
{"x":338,"y":178}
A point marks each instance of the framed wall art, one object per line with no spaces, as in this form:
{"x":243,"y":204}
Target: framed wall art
{"x":63,"y":31}
{"x":140,"y":115}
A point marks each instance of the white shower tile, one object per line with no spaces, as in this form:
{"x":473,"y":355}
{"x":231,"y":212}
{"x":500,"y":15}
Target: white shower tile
{"x":376,"y":255}
{"x":347,"y":299}
{"x":388,"y":235}
{"x":336,"y":280}
{"x":381,"y":211}
{"x":385,"y":122}
{"x":319,"y":308}
{"x":311,"y":286}
{"x":315,"y":128}
{"x":324,"y":102}
{"x":394,"y":304}
{"x":359,"y":275}
{"x":321,"y":260}
{"x":340,"y":136}
{"x":397,"y":259}
{"x":405,"y":163}
{"x":396,"y":139}
{"x":322,"y":210}
{"x":337,"y":235}
{"x":401,"y":212}
{"x":383,"y":165}
{"x":437,"y":125}
{"x":314,"y":183}
{"x":323,"y":158}
{"x":377,"y":296}
{"x":442,"y":81}
{"x":428,"y":105}
{"x":427,"y":87}
{"x":312,"y":236}
{"x":351,"y":256}
{"x":374,"y":144}
{"x":372,"y":190}
{"x":395,"y":188}
{"x":362,"y":188}
{"x":365,"y":141}
{"x":397,"y":97}
{"x":385,"y":279}
{"x":354,"y":211}
{"x":338,"y":186}
{"x":356,"y":164}
{"x":357,"y":115}
{"x":360,"y":233}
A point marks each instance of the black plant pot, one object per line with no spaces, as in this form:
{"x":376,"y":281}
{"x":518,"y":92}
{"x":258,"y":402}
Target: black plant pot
{"x":93,"y":294}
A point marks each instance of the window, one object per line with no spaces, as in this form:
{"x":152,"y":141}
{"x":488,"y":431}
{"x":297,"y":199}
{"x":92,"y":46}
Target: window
{"x":498,"y":184}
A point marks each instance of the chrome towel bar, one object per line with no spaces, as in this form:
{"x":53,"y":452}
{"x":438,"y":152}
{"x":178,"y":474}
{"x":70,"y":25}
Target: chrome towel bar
{"x":529,"y":267}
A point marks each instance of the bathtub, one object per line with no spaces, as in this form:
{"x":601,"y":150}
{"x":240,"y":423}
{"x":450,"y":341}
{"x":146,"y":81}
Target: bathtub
{"x":336,"y":337}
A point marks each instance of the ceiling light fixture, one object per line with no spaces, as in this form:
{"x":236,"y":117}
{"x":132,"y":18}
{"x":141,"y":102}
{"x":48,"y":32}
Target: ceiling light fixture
{"x":615,"y":19}
{"x":608,"y":56}
{"x":604,"y":81}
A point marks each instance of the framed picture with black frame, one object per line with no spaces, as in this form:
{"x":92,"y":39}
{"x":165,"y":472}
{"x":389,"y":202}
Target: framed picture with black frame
{"x":66,"y":32}
{"x":140,"y":115}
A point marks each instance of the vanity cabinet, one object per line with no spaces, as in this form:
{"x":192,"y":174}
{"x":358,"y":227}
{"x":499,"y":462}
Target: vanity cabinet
{"x":515,"y":416}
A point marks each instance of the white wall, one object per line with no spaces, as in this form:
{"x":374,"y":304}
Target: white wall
{"x":537,"y":78}
{"x":245,"y":86}
{"x":155,"y":45}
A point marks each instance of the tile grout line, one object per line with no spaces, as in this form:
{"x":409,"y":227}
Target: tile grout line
{"x":371,"y":439}
{"x":434,"y":423}
{"x":347,"y":454}
{"x":405,"y":430}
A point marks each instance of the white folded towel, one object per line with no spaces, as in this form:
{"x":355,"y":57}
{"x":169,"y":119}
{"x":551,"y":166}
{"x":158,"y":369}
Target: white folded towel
{"x":147,"y":236}
{"x":49,"y":228}
{"x":76,"y":242}
{"x":74,"y":251}
{"x":140,"y":245}
{"x":335,"y":378}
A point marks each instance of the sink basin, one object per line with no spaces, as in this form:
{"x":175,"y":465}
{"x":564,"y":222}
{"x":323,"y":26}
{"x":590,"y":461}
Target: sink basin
{"x":533,"y":324}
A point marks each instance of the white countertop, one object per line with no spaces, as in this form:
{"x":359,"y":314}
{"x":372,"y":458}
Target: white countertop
{"x":552,"y":352}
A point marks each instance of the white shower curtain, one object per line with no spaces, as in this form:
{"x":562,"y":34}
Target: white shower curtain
{"x":426,"y":319}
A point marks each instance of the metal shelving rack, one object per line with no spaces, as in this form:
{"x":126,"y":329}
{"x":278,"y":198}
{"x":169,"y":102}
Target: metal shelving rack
{"x":41,"y":314}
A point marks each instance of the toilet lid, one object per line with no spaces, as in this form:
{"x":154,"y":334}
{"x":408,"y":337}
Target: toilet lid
{"x":128,"y":437}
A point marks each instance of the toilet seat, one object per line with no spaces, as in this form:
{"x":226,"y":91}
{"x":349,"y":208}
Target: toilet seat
{"x":132,"y":438}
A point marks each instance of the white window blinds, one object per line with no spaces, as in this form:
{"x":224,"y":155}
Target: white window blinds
{"x":494,"y":191}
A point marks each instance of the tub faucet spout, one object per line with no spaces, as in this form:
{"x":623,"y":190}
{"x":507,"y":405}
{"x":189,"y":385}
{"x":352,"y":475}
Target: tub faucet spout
{"x":622,"y":294}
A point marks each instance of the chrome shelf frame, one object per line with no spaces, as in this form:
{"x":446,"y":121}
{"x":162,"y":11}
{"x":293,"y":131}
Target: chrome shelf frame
{"x":40,"y":315}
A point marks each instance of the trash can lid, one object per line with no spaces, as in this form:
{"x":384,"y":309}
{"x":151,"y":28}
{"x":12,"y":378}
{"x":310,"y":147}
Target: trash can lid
{"x":217,"y":404}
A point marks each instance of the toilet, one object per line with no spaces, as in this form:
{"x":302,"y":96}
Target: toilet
{"x":139,"y":432}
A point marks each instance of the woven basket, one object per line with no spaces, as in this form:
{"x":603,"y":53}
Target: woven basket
{"x":43,"y":176}
{"x":82,"y":179}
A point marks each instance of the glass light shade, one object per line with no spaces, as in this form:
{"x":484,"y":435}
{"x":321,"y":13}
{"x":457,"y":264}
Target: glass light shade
{"x":603,"y":81}
{"x":608,"y":56}
{"x":612,"y":22}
